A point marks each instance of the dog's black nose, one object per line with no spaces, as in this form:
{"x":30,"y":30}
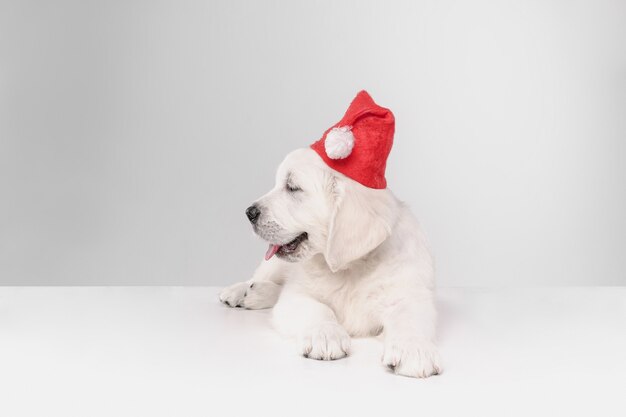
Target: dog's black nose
{"x":253,"y":214}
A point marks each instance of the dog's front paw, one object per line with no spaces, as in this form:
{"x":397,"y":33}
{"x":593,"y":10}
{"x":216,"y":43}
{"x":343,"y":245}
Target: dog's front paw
{"x":412,"y":358}
{"x":233,"y":296}
{"x":261,"y":294}
{"x":327,"y":341}
{"x":251,"y":295}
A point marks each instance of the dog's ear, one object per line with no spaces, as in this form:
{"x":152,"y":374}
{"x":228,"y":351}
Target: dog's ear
{"x":361,"y":220}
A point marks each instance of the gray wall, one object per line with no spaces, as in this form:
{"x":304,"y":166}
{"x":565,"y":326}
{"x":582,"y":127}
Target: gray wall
{"x":133,"y":134}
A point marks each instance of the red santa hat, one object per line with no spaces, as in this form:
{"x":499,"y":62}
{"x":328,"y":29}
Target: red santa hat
{"x":358,"y":145}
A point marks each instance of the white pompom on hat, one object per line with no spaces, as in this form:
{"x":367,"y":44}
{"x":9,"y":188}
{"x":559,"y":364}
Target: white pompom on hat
{"x":339,"y":142}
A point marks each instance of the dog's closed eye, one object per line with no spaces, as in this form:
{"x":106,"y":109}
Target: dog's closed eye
{"x":290,"y":186}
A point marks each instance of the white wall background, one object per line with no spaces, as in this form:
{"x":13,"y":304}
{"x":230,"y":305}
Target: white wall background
{"x":133,"y":134}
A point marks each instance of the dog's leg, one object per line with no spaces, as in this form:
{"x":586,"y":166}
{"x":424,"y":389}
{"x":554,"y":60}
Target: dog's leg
{"x":409,"y":336}
{"x":261,"y":291}
{"x":313,"y":324}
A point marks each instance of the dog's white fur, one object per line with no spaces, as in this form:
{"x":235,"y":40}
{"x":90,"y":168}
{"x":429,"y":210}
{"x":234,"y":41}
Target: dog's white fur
{"x":365,"y":268}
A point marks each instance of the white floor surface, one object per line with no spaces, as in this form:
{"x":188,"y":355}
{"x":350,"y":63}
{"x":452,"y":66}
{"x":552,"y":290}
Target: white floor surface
{"x":173,"y":351}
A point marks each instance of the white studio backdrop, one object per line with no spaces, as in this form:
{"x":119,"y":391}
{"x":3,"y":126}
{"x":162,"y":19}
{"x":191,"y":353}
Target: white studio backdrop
{"x":133,"y":134}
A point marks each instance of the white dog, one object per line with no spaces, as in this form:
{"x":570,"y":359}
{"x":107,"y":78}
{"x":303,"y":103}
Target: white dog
{"x":350,"y":261}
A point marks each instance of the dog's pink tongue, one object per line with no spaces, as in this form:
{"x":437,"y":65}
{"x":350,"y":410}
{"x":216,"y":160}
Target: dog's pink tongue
{"x":271,"y":251}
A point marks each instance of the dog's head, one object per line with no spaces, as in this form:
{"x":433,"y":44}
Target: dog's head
{"x":313,"y":209}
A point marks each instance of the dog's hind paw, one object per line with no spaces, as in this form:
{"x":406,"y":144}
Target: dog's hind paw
{"x":414,"y":359}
